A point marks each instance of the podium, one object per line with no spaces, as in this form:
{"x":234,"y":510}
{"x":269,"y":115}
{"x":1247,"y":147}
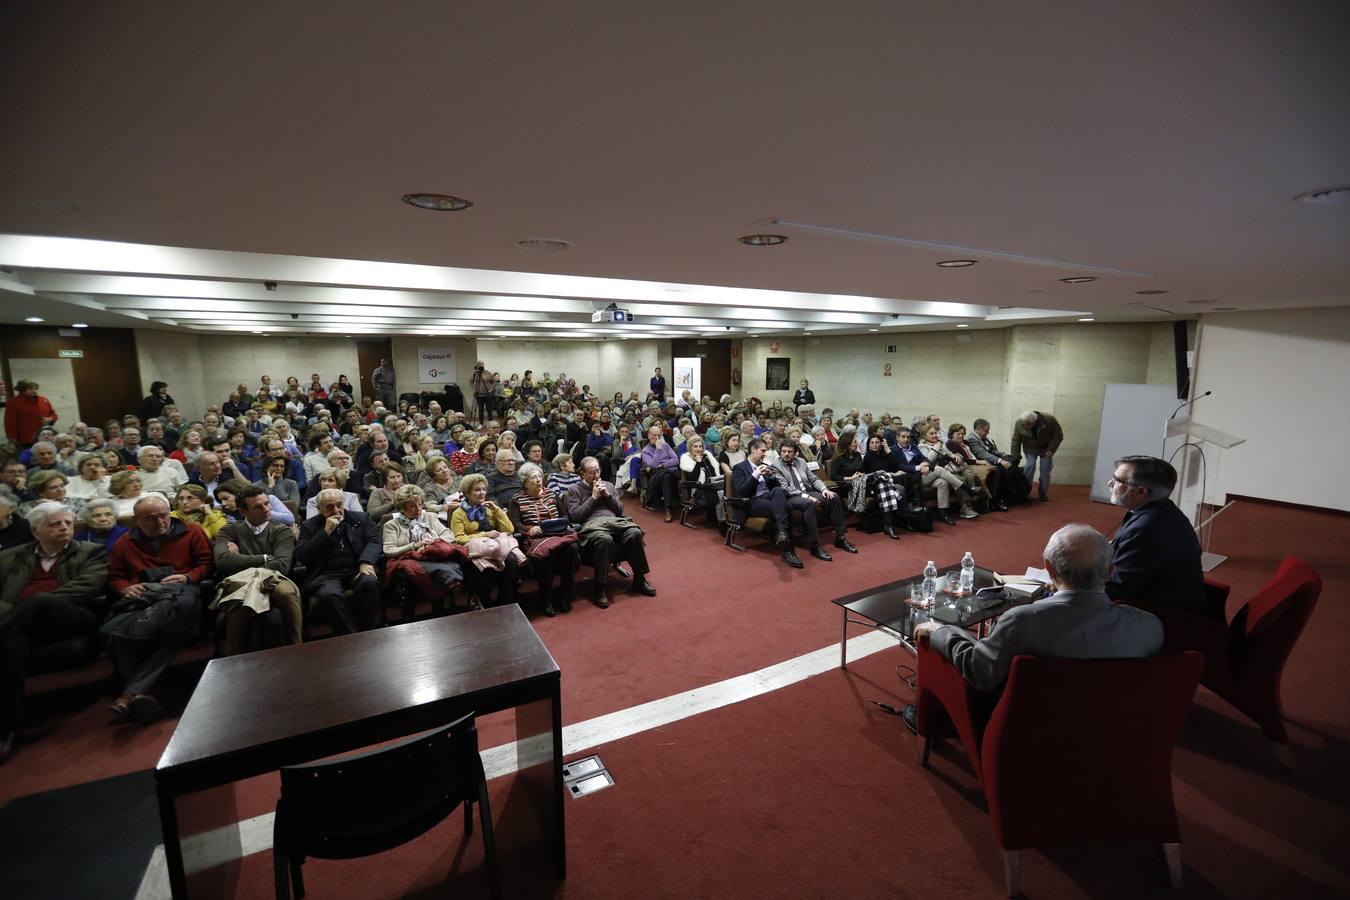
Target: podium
{"x":1201,"y":450}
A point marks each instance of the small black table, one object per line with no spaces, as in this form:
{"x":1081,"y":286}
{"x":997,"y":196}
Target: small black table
{"x":886,"y":607}
{"x":256,"y":712}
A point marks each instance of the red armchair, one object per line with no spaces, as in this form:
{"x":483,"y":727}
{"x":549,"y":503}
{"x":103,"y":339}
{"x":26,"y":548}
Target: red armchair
{"x":1244,"y":660}
{"x":1073,"y":750}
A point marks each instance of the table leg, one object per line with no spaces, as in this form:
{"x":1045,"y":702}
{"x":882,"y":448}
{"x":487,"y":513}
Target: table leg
{"x":173,"y":848}
{"x":843,"y":640}
{"x":539,"y":760}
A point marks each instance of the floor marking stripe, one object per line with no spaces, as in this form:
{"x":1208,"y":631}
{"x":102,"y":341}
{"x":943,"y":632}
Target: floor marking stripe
{"x":221,"y":845}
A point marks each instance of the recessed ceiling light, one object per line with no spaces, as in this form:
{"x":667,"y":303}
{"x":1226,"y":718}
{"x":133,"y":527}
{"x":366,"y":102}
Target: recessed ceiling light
{"x":754,"y":335}
{"x":1326,"y":195}
{"x":874,"y":329}
{"x":437,"y":202}
{"x":1151,"y":291}
{"x":79,"y":325}
{"x":1087,"y":319}
{"x":962,"y":325}
{"x":762,"y":240}
{"x":34,"y":319}
{"x":956,"y":263}
{"x":1078,"y":279}
{"x":553,"y":244}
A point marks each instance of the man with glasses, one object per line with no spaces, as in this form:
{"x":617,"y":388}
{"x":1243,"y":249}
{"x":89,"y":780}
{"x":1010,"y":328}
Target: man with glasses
{"x":1155,"y":552}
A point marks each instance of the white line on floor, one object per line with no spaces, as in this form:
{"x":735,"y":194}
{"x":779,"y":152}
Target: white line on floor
{"x":214,"y":848}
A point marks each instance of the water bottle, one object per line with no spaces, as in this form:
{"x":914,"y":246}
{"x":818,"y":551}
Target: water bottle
{"x":967,"y":575}
{"x":929,"y":585}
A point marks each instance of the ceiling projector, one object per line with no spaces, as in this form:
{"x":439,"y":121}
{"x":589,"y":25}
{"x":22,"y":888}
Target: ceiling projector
{"x":612,"y":315}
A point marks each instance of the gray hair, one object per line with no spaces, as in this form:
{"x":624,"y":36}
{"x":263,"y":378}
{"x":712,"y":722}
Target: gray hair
{"x":101,"y":503}
{"x":1157,"y":475}
{"x":409,"y":493}
{"x":530,"y":470}
{"x":148,"y":448}
{"x":44,"y":445}
{"x":148,"y":498}
{"x":327,"y":494}
{"x":1080,"y":556}
{"x":8,"y":500}
{"x":1028,"y":416}
{"x":39,"y":514}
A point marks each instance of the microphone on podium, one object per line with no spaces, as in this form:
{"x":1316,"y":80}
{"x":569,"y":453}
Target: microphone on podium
{"x":1182,"y":406}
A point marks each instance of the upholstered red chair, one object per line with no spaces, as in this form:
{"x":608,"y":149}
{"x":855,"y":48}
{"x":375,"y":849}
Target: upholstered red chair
{"x":1244,"y":660}
{"x":1074,"y":749}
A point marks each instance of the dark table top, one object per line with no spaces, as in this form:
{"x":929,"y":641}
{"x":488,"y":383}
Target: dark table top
{"x":374,"y":686}
{"x":888,"y":604}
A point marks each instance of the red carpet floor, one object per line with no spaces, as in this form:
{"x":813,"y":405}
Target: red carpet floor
{"x":811,"y":791}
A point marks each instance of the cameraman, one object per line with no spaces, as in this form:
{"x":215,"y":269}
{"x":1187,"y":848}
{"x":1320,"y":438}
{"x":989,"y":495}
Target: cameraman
{"x":482,"y":383}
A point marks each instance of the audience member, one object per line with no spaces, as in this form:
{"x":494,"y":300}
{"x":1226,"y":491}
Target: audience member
{"x":484,"y":529}
{"x":662,"y":466}
{"x":99,"y":524}
{"x":92,"y":481}
{"x":160,"y":474}
{"x":160,"y":560}
{"x":1037,"y":436}
{"x":254,"y":559}
{"x":50,"y":590}
{"x":540,"y":517}
{"x":328,"y":480}
{"x":606,"y":536}
{"x":754,"y":480}
{"x":192,"y":505}
{"x":339,"y":549}
{"x":14,"y":530}
{"x":27,"y":412}
{"x":807,"y":493}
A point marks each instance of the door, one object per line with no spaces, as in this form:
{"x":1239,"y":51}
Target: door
{"x":368,"y":355}
{"x":714,"y":355}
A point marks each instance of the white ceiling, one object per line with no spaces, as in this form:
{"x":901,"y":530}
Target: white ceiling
{"x":1155,"y":145}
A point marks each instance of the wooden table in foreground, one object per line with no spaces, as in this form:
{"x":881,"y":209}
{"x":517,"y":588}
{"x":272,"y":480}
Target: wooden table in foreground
{"x":256,"y":712}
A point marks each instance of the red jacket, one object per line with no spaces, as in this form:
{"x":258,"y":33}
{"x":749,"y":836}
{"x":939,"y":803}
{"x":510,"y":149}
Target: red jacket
{"x":185,"y":548}
{"x":24,"y":415}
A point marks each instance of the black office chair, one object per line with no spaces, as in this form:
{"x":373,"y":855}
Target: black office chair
{"x":371,"y":802}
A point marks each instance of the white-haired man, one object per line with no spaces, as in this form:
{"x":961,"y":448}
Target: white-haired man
{"x":158,"y":473}
{"x":339,"y":549}
{"x":50,"y":590}
{"x":1037,"y":437}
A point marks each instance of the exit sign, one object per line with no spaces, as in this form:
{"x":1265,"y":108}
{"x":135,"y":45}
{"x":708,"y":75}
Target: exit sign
{"x":70,"y":354}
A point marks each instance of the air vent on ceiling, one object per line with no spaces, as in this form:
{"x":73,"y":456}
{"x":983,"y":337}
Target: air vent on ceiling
{"x":552,"y":244}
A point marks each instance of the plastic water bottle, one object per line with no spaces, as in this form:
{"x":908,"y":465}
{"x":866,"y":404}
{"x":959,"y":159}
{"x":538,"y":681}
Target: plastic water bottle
{"x":967,"y":575}
{"x":929,"y":584}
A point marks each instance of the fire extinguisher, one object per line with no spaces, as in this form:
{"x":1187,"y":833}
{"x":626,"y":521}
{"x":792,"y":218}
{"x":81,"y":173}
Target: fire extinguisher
{"x":735,"y":376}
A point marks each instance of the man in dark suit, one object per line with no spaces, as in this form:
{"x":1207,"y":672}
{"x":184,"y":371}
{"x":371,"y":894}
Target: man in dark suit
{"x":1078,"y":622}
{"x":806,"y":492}
{"x":1155,"y":550}
{"x":754,"y":480}
{"x":594,"y":498}
{"x":339,"y":549}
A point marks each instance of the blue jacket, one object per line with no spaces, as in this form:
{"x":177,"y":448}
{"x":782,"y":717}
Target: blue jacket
{"x":1157,"y":559}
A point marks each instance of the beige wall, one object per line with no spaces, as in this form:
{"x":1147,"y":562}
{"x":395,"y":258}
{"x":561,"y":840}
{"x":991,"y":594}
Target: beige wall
{"x":175,"y":358}
{"x":407,"y":368}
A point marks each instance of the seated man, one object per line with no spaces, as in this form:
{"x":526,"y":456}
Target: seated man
{"x":1155,"y":550}
{"x":339,"y":548}
{"x":504,"y":483}
{"x":256,"y":545}
{"x":1078,"y":622}
{"x":158,"y":551}
{"x":806,"y":492}
{"x":131,"y":444}
{"x":753,"y":479}
{"x":592,"y":501}
{"x":164,"y":476}
{"x":321,"y":444}
{"x":207,"y":473}
{"x":43,"y":458}
{"x":50,"y":590}
{"x":1013,"y":486}
{"x":14,"y":482}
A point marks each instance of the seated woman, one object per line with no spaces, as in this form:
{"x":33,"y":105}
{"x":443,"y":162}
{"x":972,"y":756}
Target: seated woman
{"x":479,"y":517}
{"x":877,"y":469}
{"x":731,"y":454}
{"x":464,"y":457}
{"x":191,"y":506}
{"x":987,"y":477}
{"x":552,"y":554}
{"x":326,"y":479}
{"x":99,"y":525}
{"x":440,"y":430}
{"x":624,"y":456}
{"x":441,"y":487}
{"x":92,"y":481}
{"x":827,"y":423}
{"x":486,"y":457}
{"x":275,"y":482}
{"x":944,"y":466}
{"x":411,"y":526}
{"x":381,"y":504}
{"x":125,"y":488}
{"x":14,"y":528}
{"x":598,"y":441}
{"x":507,"y":441}
{"x":698,"y":469}
{"x":564,"y":474}
{"x":663,"y":468}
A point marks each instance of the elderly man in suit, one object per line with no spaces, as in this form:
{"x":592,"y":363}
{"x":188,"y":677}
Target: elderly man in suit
{"x":1078,"y":622}
{"x":339,"y":549}
{"x":1155,"y":551}
{"x":50,"y":590}
{"x":593,"y":498}
{"x":756,"y":481}
{"x":806,"y":492}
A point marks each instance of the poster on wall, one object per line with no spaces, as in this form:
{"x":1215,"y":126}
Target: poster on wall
{"x":684,"y":378}
{"x":435,"y":364}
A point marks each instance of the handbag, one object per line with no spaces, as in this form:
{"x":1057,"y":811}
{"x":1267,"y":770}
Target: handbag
{"x":164,"y":610}
{"x":556,"y":526}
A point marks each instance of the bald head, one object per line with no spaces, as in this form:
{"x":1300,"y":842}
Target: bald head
{"x":1078,"y":558}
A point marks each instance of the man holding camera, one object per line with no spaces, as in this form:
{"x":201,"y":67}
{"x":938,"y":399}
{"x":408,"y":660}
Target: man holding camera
{"x":481,"y":382}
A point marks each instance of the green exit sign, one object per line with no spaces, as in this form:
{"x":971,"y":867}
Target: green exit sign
{"x":70,"y":354}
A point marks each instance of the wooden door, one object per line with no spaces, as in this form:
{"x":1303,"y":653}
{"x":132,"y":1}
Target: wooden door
{"x":106,"y":375}
{"x":714,"y":355}
{"x":369,"y":351}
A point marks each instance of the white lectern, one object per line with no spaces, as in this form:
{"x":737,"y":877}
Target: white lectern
{"x":1201,"y":452}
